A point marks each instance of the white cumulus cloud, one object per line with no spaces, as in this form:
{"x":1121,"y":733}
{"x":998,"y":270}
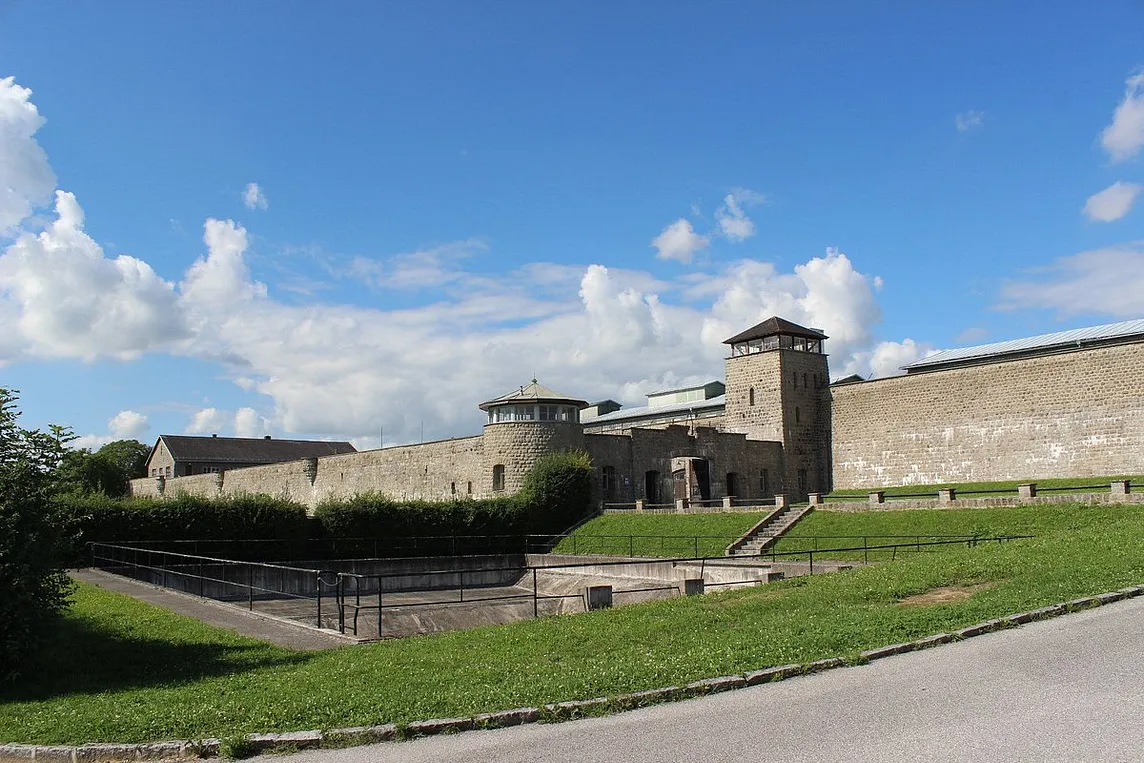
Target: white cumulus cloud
{"x":248,"y":423}
{"x":733,"y":221}
{"x":679,"y":242}
{"x":65,"y":299}
{"x":207,"y":421}
{"x":26,"y":179}
{"x":1124,"y":136}
{"x":1112,"y":203}
{"x":128,"y":425}
{"x":254,"y":197}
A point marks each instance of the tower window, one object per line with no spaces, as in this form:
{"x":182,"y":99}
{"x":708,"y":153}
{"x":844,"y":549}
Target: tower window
{"x":797,"y":416}
{"x":498,"y":477}
{"x":469,"y":489}
{"x":453,"y":488}
{"x":751,"y":396}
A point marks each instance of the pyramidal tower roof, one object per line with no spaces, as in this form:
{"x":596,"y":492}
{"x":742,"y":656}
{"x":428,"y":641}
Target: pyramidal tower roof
{"x":772,"y":326}
{"x":533,"y":392}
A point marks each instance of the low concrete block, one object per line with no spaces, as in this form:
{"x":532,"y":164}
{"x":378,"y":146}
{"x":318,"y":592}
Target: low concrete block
{"x":514,"y":717}
{"x":780,"y":673}
{"x":1027,"y":491}
{"x":1120,"y":488}
{"x":16,"y":753}
{"x":576,"y":708}
{"x":362,"y":734}
{"x":1018,"y":619}
{"x":928,"y":641}
{"x":648,"y":696}
{"x":56,"y":754}
{"x":711,"y":685}
{"x":1082,"y":603}
{"x":105,"y":753}
{"x":976,"y":630}
{"x":1111,"y":596}
{"x":887,"y":651}
{"x":877,"y":497}
{"x":693,"y":587}
{"x":439,"y":726}
{"x":828,"y":664}
{"x":1132,"y":591}
{"x":299,"y":739}
{"x":946,"y":495}
{"x":815,"y":499}
{"x":1053,"y":610}
{"x":166,"y":750}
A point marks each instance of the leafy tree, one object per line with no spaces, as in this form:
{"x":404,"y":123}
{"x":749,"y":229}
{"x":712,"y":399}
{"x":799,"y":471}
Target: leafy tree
{"x":106,"y":471}
{"x":34,"y":536}
{"x":128,"y":456}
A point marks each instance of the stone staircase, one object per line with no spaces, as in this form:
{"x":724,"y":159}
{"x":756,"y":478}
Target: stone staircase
{"x":760,"y":537}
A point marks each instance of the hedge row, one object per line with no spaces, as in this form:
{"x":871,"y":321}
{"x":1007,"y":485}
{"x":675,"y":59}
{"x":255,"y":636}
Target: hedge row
{"x":555,"y":494}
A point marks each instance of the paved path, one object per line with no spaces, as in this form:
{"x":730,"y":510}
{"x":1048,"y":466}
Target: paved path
{"x":211,"y":612}
{"x":1067,"y":689}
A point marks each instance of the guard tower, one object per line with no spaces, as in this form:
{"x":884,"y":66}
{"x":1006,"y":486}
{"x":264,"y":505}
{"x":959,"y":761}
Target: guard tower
{"x":524,"y":425}
{"x":778,"y":389}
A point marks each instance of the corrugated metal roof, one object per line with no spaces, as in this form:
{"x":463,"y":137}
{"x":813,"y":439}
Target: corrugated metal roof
{"x":1056,"y":340}
{"x":662,"y":410}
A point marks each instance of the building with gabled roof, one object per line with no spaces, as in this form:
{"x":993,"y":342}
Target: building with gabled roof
{"x":185,"y":455}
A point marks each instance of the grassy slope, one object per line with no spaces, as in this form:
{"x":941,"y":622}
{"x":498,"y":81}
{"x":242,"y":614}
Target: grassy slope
{"x":667,"y":534}
{"x":119,"y":670}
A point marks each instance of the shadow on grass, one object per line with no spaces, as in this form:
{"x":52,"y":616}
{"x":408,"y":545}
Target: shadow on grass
{"x":76,"y":657}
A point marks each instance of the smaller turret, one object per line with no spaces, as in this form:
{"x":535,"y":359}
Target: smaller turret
{"x":524,"y":425}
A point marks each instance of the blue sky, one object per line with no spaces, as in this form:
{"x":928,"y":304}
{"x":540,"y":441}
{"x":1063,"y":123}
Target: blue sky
{"x":454,"y":197}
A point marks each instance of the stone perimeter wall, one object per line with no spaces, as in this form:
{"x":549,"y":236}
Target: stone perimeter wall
{"x":1074,"y":414}
{"x":430,"y":471}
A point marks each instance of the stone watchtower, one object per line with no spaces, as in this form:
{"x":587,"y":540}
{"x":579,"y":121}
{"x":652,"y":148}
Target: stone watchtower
{"x":778,"y":389}
{"x":524,"y":425}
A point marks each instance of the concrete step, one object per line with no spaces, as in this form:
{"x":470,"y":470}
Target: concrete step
{"x":760,"y":537}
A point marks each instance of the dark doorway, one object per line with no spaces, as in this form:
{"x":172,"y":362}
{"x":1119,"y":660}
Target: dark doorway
{"x":732,"y":483}
{"x":703,"y":479}
{"x":651,"y":486}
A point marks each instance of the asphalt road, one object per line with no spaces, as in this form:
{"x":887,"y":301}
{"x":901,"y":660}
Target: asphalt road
{"x":1067,"y":689}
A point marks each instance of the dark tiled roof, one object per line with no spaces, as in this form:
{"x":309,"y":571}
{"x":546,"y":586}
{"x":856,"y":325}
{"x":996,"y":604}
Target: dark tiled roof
{"x":249,"y":450}
{"x":772,"y":326}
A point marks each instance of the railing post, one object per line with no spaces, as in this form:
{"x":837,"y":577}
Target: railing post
{"x":696,"y":549}
{"x":631,"y":545}
{"x":811,"y":553}
{"x":379,"y":606}
{"x":866,"y":549}
{"x":341,"y":603}
{"x":250,"y":591}
{"x":535,"y":596}
{"x":462,"y":584}
{"x":200,"y":576}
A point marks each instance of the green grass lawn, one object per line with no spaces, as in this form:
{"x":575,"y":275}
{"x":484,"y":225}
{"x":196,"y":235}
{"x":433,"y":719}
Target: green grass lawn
{"x":658,"y":534}
{"x":1077,"y":484}
{"x":119,"y":670}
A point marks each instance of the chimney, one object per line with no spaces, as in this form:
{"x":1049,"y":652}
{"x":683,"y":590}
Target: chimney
{"x":266,"y":437}
{"x":214,"y":435}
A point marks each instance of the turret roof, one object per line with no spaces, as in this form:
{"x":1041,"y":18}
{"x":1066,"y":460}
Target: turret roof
{"x":533,"y":392}
{"x":772,"y":326}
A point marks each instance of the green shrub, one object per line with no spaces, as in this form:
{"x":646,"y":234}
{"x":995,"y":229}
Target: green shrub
{"x":184,"y":517}
{"x":557,"y":491}
{"x":34,"y":537}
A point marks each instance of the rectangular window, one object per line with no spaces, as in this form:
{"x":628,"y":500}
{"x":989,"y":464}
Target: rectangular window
{"x":498,"y":477}
{"x":549,"y":412}
{"x":802,"y":480}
